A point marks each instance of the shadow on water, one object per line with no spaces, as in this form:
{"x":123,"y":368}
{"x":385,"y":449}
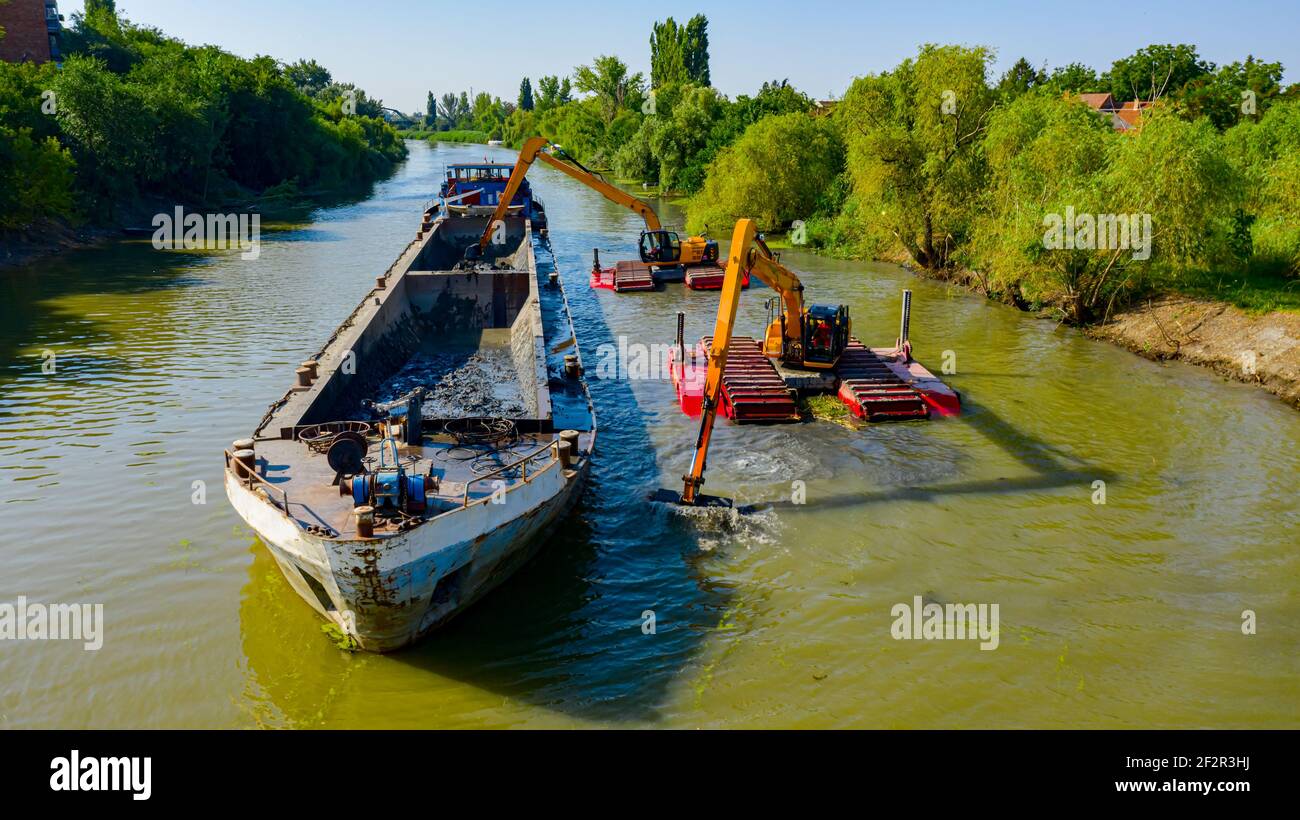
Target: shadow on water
{"x":1051,"y":468}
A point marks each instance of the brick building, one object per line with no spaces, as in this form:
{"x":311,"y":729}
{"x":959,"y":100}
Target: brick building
{"x":32,"y":30}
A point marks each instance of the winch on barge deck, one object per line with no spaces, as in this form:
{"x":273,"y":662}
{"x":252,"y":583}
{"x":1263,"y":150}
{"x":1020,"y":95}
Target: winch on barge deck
{"x":391,"y":517}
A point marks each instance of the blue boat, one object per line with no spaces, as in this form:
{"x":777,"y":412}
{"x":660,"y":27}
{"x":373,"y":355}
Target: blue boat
{"x":474,"y":189}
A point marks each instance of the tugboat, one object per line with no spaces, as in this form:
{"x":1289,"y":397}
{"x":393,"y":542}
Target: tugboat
{"x":426,"y":451}
{"x":474,"y":189}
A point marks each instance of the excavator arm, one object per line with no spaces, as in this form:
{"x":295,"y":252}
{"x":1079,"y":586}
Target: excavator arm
{"x":762,"y":263}
{"x":749,"y":252}
{"x":534,"y":149}
{"x":744,"y":236}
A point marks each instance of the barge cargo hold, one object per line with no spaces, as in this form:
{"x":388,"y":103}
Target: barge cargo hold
{"x":429,"y":448}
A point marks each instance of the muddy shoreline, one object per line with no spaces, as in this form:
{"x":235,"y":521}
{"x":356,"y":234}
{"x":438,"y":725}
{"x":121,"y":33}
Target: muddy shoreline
{"x":1257,"y":349}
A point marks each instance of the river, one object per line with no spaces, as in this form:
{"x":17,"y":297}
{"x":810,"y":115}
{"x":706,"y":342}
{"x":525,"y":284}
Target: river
{"x":1122,"y":614}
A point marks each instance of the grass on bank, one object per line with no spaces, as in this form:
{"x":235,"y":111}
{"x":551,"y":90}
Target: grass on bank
{"x":1253,"y":291}
{"x":473,"y":137}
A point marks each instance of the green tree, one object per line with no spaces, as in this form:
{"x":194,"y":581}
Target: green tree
{"x":914,"y":138}
{"x":107,"y":125}
{"x":1050,"y":158}
{"x":1236,"y":91}
{"x":1045,"y":154}
{"x":1020,"y":78}
{"x":447,"y":112}
{"x":697,"y":50}
{"x":431,"y":111}
{"x":608,"y":79}
{"x":777,"y":172}
{"x":488,"y":114}
{"x":1266,"y":156}
{"x":309,"y":77}
{"x":553,"y":92}
{"x":679,"y":54}
{"x":667,"y":55}
{"x":1155,"y":71}
{"x":526,"y":94}
{"x":678,"y":139}
{"x":1076,"y":78}
{"x":579,"y":126}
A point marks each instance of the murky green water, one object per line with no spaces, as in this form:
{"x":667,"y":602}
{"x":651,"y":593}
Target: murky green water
{"x":1123,"y":614}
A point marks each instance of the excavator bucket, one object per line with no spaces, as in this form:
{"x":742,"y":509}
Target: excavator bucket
{"x":673,"y":500}
{"x":674,"y":497}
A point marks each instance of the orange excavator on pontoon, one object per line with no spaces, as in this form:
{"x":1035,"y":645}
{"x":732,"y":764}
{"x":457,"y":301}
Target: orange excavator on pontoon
{"x":658,"y":247}
{"x":810,"y":338}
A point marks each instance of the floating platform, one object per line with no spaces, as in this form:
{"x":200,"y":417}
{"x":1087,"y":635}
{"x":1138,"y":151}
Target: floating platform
{"x":876,"y":384}
{"x":630,"y":276}
{"x":624,"y":276}
{"x":752,"y":390}
{"x":710,"y":277}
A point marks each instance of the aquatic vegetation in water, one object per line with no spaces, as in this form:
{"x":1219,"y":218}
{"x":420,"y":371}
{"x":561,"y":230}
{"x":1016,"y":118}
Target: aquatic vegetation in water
{"x":340,"y":638}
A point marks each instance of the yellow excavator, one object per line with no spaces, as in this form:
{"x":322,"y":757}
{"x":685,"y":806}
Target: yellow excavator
{"x":804,"y":337}
{"x":658,"y":247}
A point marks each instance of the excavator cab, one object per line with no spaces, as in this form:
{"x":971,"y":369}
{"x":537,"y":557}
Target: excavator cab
{"x":660,"y":247}
{"x":825,"y":335}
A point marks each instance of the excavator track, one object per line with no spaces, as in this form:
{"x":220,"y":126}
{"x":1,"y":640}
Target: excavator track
{"x":752,"y":390}
{"x":872,"y":391}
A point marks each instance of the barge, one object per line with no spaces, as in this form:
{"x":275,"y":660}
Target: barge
{"x":427,"y":450}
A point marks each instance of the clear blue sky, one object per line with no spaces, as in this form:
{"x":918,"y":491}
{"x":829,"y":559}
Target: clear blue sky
{"x":400,"y":49}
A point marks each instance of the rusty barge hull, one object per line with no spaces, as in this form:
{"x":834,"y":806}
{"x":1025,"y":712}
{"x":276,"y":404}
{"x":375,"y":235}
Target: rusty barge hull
{"x":387,"y":574}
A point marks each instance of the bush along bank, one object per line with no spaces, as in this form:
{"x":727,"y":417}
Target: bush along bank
{"x":134,"y":118}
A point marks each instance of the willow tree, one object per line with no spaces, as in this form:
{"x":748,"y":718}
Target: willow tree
{"x":1078,"y":215}
{"x":775,"y":173}
{"x":914,"y":138}
{"x":1267,"y":157}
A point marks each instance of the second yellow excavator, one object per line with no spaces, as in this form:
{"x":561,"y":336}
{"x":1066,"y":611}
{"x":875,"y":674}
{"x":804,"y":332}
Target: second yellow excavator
{"x":803,"y":337}
{"x":658,"y":247}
